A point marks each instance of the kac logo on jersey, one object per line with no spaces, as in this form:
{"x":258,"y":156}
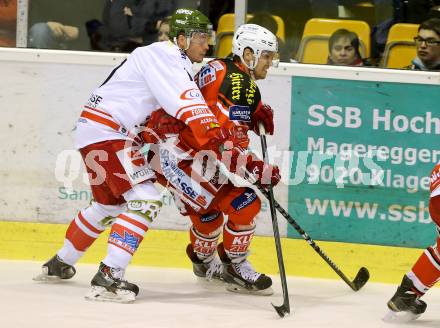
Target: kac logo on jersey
{"x":240,"y":113}
{"x":191,"y":94}
{"x":246,"y":198}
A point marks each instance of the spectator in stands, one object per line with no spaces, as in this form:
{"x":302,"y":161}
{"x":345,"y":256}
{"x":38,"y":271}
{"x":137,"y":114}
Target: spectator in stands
{"x":127,"y":24}
{"x":163,"y":29}
{"x":116,"y":32}
{"x":60,"y":24}
{"x":52,"y":35}
{"x":428,"y":46}
{"x":343,"y":49}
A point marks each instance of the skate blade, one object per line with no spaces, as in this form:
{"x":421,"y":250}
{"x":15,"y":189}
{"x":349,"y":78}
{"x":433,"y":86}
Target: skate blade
{"x":100,"y":294}
{"x":400,"y":317}
{"x":241,"y":290}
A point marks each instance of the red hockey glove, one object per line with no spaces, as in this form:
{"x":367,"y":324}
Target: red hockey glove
{"x":227,"y":138}
{"x":159,"y":125}
{"x":264,"y":173}
{"x":263,"y":114}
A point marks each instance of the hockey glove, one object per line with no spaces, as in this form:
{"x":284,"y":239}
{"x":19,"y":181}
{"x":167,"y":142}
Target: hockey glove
{"x":263,"y":114}
{"x":265,"y":174}
{"x":223,"y":138}
{"x":159,"y":125}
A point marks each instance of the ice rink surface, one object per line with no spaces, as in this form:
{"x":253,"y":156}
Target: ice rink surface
{"x":174,"y":298}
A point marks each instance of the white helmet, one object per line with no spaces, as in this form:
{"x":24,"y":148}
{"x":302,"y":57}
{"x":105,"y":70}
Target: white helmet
{"x":255,"y":37}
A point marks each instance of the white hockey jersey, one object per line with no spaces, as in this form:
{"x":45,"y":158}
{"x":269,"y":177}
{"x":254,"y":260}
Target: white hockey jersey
{"x":156,"y":76}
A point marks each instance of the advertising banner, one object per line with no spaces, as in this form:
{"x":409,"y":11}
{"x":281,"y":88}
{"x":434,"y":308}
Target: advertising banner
{"x":362,"y":155}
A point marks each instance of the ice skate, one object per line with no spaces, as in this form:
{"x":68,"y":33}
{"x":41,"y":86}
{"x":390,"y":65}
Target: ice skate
{"x":55,"y":270}
{"x":405,"y":304}
{"x":108,"y":286}
{"x":242,"y":277}
{"x":210,"y":269}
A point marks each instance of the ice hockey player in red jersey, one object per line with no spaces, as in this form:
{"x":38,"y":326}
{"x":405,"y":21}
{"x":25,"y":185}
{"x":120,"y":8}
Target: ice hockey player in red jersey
{"x":156,"y":76}
{"x":426,"y":271}
{"x":228,"y":86}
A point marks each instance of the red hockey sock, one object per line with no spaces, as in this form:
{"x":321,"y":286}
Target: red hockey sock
{"x":236,"y":243}
{"x":426,"y":271}
{"x":203,"y":246}
{"x":81,"y":233}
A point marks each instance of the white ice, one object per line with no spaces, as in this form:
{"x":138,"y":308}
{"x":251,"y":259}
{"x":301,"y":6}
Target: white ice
{"x":174,"y":298}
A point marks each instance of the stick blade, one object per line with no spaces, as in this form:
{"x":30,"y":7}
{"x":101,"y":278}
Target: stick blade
{"x":282,"y":310}
{"x":361,"y":279}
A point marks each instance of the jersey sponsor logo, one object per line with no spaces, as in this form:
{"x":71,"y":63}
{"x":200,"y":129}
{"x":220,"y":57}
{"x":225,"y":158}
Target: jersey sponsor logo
{"x":237,"y":83}
{"x":201,"y":200}
{"x":242,"y":240}
{"x":200,"y":111}
{"x":240,"y":113}
{"x":183,"y":11}
{"x":181,"y":181}
{"x":246,"y":198}
{"x":191,"y":94}
{"x":209,"y":217}
{"x":206,"y":120}
{"x":206,"y":76}
{"x":94,"y":101}
{"x":134,"y":165}
{"x":250,"y":93}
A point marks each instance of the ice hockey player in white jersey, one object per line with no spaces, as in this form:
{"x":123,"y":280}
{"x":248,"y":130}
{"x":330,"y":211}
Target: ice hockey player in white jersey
{"x":156,"y":76}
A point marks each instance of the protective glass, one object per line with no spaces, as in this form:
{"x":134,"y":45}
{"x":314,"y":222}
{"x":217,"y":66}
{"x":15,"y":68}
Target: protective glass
{"x":203,"y":38}
{"x":429,"y":42}
{"x":271,"y":57}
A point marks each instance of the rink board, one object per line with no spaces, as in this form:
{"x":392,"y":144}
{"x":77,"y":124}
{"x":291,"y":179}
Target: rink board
{"x":162,"y":248}
{"x":43,"y":179}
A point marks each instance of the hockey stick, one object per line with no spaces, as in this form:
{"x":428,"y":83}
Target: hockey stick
{"x":362,"y":276}
{"x":283,"y":309}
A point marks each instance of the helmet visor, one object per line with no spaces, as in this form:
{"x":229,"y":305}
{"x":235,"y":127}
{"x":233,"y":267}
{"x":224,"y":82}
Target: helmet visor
{"x":272,"y":57}
{"x":203,"y":37}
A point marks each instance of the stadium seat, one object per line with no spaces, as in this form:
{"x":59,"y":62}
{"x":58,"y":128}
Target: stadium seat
{"x":225,"y":32}
{"x":313,"y":48}
{"x":400,"y":48}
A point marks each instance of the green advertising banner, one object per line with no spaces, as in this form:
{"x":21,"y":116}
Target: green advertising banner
{"x":363,"y":154}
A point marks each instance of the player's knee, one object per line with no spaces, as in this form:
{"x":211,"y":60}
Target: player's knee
{"x":100,"y":215}
{"x":107,"y":210}
{"x":147,"y":209}
{"x":208,"y":224}
{"x":254,"y":208}
{"x":144,"y":200}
